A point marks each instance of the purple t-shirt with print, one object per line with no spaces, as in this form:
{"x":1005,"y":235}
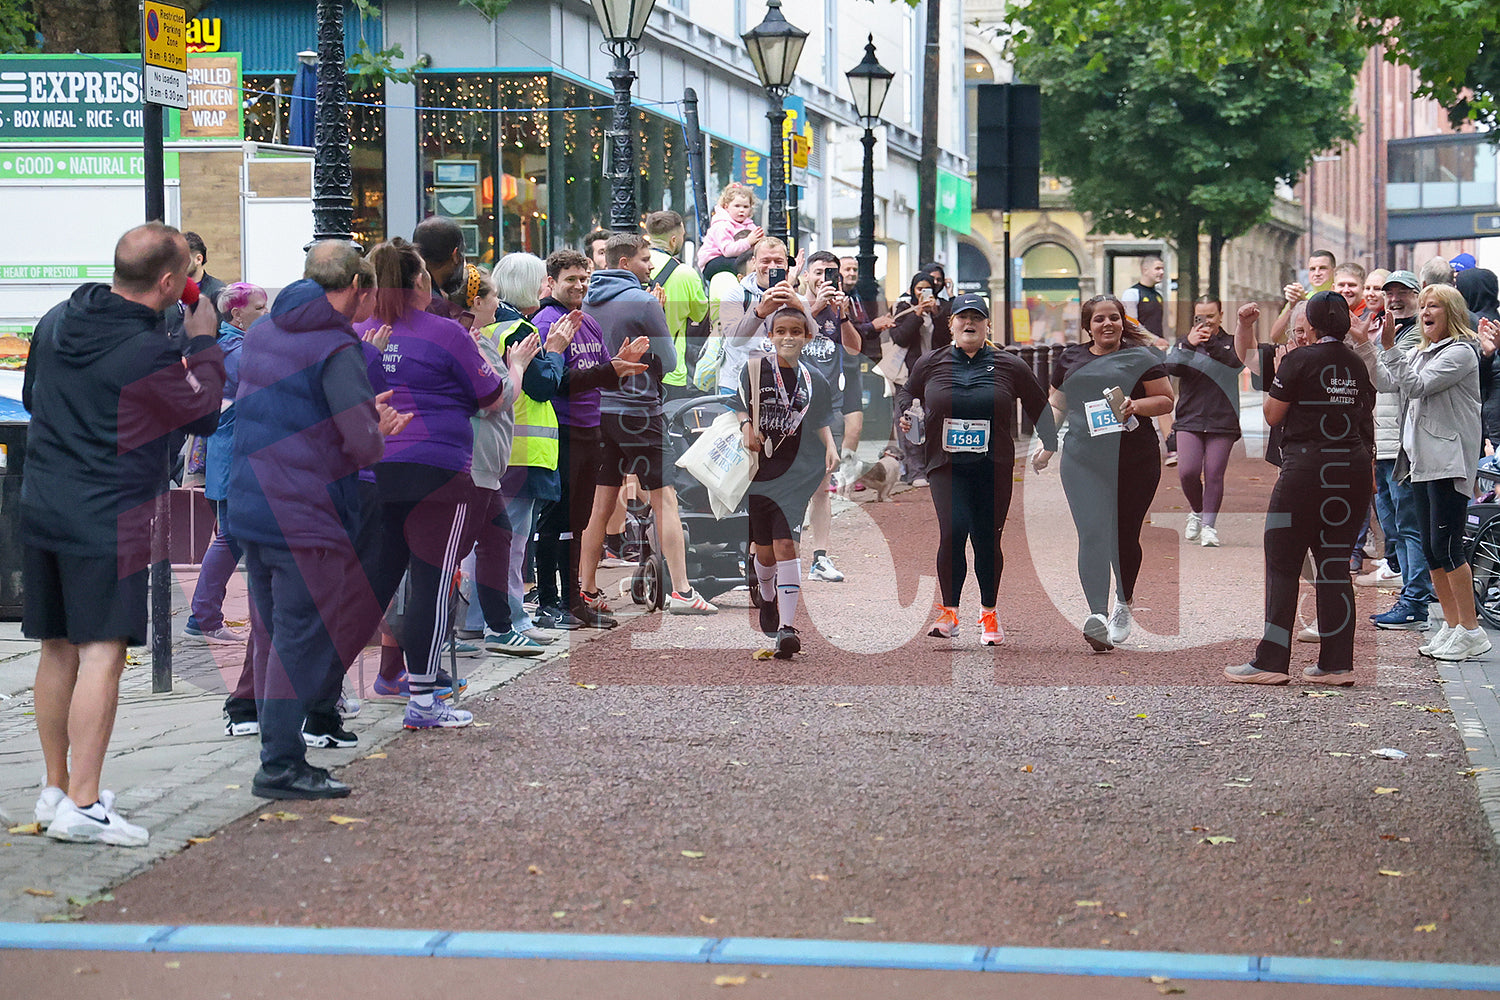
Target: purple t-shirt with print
{"x":438,"y":374}
{"x":578,"y":409}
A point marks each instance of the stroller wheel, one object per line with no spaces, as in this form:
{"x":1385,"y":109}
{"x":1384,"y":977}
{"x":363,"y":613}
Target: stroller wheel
{"x":648,"y":584}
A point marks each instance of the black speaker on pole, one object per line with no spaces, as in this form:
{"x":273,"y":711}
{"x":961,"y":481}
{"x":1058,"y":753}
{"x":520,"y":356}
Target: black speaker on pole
{"x":1009,"y":154}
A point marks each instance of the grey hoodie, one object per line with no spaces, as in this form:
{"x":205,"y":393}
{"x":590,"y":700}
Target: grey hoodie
{"x":624,"y":311}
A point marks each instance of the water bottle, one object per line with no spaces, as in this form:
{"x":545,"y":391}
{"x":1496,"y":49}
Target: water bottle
{"x":918,"y":432}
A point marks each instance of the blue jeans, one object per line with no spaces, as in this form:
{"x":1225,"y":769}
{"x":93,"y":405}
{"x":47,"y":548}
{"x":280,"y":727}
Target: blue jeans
{"x":1416,"y":586}
{"x":1385,"y":512}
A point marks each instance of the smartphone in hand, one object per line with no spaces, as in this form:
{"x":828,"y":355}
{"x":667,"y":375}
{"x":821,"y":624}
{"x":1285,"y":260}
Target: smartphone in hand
{"x":776,"y":275}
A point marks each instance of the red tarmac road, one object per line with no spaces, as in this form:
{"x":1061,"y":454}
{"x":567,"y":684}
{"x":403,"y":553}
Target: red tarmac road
{"x":1034,"y":794}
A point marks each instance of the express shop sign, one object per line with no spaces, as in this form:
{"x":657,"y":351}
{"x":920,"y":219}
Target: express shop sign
{"x":51,"y":98}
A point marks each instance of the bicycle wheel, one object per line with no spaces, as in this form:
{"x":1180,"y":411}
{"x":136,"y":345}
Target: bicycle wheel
{"x":1484,"y":561}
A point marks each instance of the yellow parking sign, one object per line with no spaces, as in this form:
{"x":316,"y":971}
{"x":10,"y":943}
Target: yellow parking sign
{"x":164,"y":53}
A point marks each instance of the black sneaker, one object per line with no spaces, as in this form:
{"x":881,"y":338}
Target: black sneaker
{"x":589,"y":618}
{"x":323,"y":733}
{"x":788,"y":643}
{"x":554,"y":616}
{"x":770,"y":616}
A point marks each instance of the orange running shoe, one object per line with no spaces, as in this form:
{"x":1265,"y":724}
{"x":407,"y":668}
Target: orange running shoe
{"x":989,"y":625}
{"x":946,"y":626}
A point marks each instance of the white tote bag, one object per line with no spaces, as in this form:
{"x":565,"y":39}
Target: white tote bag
{"x":719,"y":460}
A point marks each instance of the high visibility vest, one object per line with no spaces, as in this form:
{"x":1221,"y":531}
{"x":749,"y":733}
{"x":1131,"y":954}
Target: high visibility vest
{"x":535,"y":440}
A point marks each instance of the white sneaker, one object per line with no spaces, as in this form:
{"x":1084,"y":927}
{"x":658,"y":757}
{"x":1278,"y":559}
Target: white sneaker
{"x":695,"y":605}
{"x":1310,"y":632}
{"x":1437,"y":642}
{"x":78,"y":827}
{"x":1209,"y":537}
{"x":1194,"y":526}
{"x":1096,"y":631}
{"x":823,"y":569}
{"x":348,"y":707}
{"x":1120,"y":622}
{"x":1381,"y":576}
{"x":1465,"y":643}
{"x":48,"y":801}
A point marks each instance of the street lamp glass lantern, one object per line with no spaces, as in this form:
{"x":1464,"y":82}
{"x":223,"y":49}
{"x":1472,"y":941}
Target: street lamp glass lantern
{"x":775,"y":45}
{"x":869,"y":82}
{"x":623,"y":20}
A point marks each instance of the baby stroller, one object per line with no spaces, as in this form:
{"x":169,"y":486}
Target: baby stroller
{"x":1482,"y":538}
{"x":717,"y":549}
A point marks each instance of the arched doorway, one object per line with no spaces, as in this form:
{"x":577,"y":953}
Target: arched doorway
{"x":973,"y":270}
{"x":1049,"y":287}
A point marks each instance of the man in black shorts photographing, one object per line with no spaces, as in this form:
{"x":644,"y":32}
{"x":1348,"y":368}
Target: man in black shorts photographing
{"x":632,"y":429}
{"x":106,"y":386}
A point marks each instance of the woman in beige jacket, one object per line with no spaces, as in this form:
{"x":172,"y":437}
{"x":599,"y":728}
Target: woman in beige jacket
{"x":1441,"y":437}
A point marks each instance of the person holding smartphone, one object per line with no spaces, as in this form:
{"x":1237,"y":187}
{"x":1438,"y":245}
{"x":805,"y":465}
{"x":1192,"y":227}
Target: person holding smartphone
{"x":831,"y":353}
{"x":920,"y":325}
{"x":1208,"y":415}
{"x":743,"y":316}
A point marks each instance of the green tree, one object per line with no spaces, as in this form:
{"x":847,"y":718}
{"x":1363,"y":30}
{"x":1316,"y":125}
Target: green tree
{"x":17,"y":30}
{"x":1153,"y":149}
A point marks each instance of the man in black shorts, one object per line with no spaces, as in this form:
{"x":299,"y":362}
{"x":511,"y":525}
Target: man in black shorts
{"x":632,"y":429}
{"x":106,"y":386}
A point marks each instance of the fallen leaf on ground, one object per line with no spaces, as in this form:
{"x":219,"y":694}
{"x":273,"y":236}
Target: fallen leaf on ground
{"x":232,"y":787}
{"x":843,"y":704}
{"x":346,"y":820}
{"x":1337,"y":753}
{"x":34,"y":829}
{"x":533,"y":870}
{"x":281,"y":816}
{"x":61,"y":918}
{"x":1256,"y":715}
{"x":731,"y":980}
{"x":199,"y":840}
{"x":1103,"y":784}
{"x":1435,"y":710}
{"x":1140,"y":715}
{"x":1027,"y":768}
{"x":106,"y":897}
{"x":1401,"y":703}
{"x":559,"y":914}
{"x":1158,"y":980}
{"x":375,"y":756}
{"x":174,"y":965}
{"x":1425,"y":928}
{"x":38,"y":892}
{"x":859,"y":920}
{"x":692,"y":854}
{"x":762,"y":654}
{"x":707,"y":920}
{"x":1168,"y":990}
{"x":1392,"y":874}
{"x":739,"y":763}
{"x":587,"y":687}
{"x":818,"y":878}
{"x":1216,"y":841}
{"x":481,"y":725}
{"x":1386,"y":791}
{"x":1087,"y":902}
{"x":1254,"y":736}
{"x":1360,"y":725}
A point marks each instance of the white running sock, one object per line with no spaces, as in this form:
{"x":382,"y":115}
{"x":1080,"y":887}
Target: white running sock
{"x":788,"y":589}
{"x":767,"y":577}
{"x":422,"y":700}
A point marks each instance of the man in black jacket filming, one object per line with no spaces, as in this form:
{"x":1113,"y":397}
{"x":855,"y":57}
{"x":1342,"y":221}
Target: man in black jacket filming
{"x":106,"y":386}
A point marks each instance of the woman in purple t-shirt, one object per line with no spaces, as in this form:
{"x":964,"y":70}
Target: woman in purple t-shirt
{"x":437,"y":373}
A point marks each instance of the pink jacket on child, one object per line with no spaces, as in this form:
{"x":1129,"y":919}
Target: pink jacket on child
{"x":719,"y":241}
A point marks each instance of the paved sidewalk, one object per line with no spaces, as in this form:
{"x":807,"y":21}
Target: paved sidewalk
{"x":175,"y":771}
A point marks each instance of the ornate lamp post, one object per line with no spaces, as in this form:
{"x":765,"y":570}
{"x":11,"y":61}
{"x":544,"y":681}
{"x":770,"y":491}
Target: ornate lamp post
{"x":623,"y":22}
{"x":869,"y":82}
{"x":775,"y":45}
{"x":333,"y":178}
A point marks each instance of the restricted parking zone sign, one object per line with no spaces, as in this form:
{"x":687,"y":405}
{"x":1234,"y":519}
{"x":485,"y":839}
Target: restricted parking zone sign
{"x":164,"y":54}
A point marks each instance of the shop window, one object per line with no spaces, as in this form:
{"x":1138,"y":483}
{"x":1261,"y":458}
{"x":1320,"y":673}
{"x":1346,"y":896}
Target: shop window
{"x":1049,"y":288}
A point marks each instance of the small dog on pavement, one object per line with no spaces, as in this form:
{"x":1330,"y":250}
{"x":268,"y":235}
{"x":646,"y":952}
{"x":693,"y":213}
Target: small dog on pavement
{"x":881,"y":477}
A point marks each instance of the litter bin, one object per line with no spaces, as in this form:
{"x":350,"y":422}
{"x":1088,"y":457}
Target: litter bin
{"x":13,"y":422}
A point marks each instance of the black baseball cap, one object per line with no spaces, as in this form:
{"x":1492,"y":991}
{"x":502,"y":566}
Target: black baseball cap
{"x":969,"y":302}
{"x":1328,"y":314}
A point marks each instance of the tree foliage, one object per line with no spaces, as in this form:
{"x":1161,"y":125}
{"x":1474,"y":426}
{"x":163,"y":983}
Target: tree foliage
{"x":1165,"y":143}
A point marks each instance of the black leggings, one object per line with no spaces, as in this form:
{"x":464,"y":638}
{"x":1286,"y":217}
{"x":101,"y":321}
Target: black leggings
{"x":972,"y":501}
{"x":1109,"y":497}
{"x":560,"y":524}
{"x":1441,"y":513}
{"x":1317,"y":507}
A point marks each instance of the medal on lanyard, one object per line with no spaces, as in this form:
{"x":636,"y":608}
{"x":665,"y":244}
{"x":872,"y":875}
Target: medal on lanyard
{"x":794,"y":419}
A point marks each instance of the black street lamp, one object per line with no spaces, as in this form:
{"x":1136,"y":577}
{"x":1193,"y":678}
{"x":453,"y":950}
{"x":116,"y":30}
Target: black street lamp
{"x":333,"y":177}
{"x":775,"y":45}
{"x":623,"y":22}
{"x":869,"y":82}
